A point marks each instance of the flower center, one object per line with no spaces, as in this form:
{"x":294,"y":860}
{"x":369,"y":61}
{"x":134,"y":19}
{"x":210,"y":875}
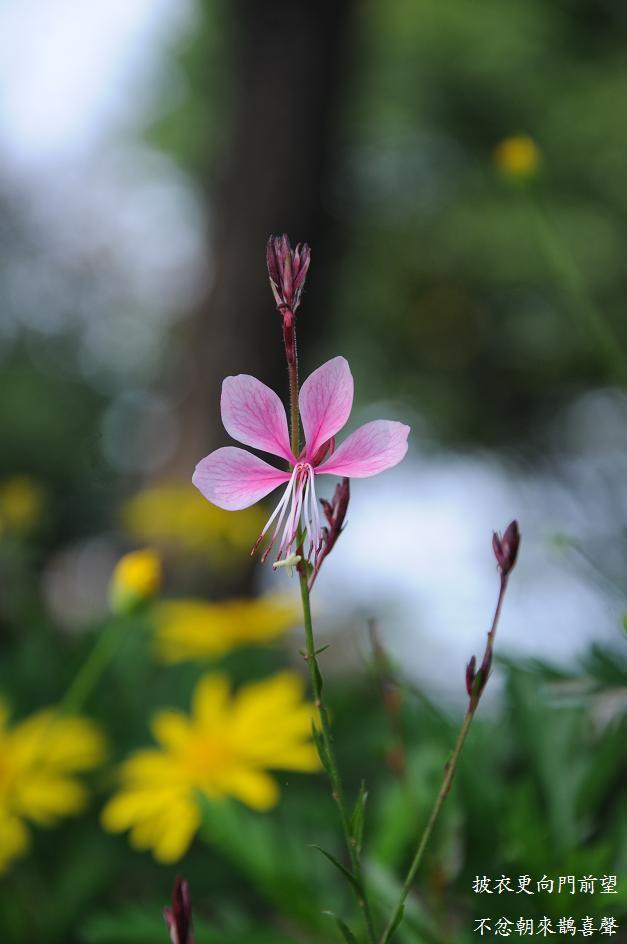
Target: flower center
{"x":205,"y":756}
{"x":298,"y":505}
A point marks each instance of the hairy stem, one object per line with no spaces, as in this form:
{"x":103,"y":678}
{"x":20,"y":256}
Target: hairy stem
{"x":289,"y":336}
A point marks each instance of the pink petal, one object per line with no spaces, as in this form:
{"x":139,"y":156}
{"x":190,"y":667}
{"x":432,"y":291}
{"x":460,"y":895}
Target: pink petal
{"x":325,"y":402}
{"x":233,"y":478}
{"x":372,"y":448}
{"x":253,"y":414}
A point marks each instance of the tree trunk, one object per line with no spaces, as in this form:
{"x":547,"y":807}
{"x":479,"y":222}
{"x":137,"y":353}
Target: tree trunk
{"x":290,"y":61}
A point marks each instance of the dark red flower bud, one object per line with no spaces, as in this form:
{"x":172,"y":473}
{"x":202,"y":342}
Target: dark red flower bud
{"x":506,"y":548}
{"x":287,"y":269}
{"x":486,"y":665}
{"x":325,"y":450}
{"x":179,"y":917}
{"x":335,"y":513}
{"x":470,"y":675}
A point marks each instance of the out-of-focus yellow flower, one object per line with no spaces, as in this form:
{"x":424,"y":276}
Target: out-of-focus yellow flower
{"x":21,"y":503}
{"x":38,"y":758}
{"x":136,"y":578}
{"x":178,"y":516}
{"x":196,"y":629}
{"x":224,"y":749}
{"x":517,"y":156}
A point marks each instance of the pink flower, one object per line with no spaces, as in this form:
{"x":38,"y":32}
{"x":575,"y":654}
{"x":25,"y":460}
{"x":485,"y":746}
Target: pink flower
{"x":254,"y":415}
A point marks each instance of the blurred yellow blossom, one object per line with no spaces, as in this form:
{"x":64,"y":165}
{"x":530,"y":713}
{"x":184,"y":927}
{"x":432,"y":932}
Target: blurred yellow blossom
{"x":224,"y":749}
{"x":179,"y":517}
{"x":136,"y":578}
{"x":38,"y":757}
{"x":517,"y":156}
{"x":196,"y":629}
{"x":21,"y":504}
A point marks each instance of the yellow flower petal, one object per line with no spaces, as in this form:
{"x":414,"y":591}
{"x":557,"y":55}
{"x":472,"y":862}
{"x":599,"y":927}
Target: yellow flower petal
{"x":210,"y":699}
{"x":197,"y":629}
{"x":177,"y":832}
{"x":255,"y":788}
{"x":14,"y":840}
{"x":171,"y":729}
{"x":39,"y":757}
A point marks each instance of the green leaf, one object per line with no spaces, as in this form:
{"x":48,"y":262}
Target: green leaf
{"x":338,"y":865}
{"x":357,"y":819}
{"x":319,"y":681}
{"x":345,"y":931}
{"x":320,"y":747}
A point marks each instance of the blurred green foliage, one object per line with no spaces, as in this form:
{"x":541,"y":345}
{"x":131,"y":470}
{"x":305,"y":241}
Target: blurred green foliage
{"x":539,"y":791}
{"x":449,"y":296}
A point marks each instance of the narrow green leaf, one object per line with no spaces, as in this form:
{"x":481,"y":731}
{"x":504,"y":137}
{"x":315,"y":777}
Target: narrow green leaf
{"x":338,"y":865}
{"x":345,"y":931}
{"x":357,"y":819}
{"x":318,"y":677}
{"x":319,"y":742}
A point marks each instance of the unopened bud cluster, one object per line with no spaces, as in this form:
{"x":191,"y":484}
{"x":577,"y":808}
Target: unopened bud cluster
{"x":287,"y":269}
{"x":505,"y":549}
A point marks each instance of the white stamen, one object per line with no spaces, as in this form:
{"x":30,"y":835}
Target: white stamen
{"x":280,"y":511}
{"x":300,"y":495}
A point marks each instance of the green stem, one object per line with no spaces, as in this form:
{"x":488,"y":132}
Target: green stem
{"x":449,"y":771}
{"x":92,"y":668}
{"x":337,"y":790}
{"x":316,"y":678}
{"x":594,"y":322}
{"x":424,"y":839}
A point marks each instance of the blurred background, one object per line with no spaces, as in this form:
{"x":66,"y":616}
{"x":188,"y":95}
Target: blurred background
{"x":459,"y":172}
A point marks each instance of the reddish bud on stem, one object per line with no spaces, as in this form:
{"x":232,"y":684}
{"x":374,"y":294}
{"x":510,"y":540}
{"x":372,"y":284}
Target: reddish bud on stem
{"x":335,"y":513}
{"x":506,"y":548}
{"x":470,"y":675}
{"x":179,"y":917}
{"x":287,"y":269}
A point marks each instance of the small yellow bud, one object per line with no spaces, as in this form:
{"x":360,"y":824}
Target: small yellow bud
{"x":136,"y":578}
{"x":20,"y":504}
{"x":517,"y":156}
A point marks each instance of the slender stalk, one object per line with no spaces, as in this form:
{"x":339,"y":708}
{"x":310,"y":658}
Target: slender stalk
{"x":295,"y":438}
{"x":584,"y":308}
{"x":291,"y":353}
{"x":337,"y":790}
{"x":449,"y":771}
{"x":92,"y":668}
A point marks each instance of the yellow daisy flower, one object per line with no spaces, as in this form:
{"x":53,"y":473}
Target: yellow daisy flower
{"x":196,"y":629}
{"x":224,"y":749}
{"x":178,"y":516}
{"x":517,"y":156}
{"x":21,"y":504}
{"x":38,"y":757}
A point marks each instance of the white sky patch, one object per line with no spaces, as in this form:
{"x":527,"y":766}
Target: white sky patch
{"x":70,"y":70}
{"x":416,"y":555}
